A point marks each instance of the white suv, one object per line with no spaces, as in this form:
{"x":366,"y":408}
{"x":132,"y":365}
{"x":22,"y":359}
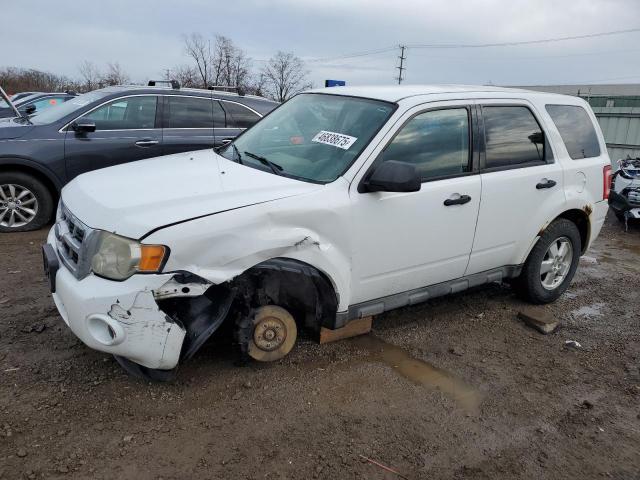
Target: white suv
{"x":342,"y":203}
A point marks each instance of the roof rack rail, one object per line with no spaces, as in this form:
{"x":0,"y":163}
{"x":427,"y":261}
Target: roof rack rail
{"x":226,"y":88}
{"x":174,"y":83}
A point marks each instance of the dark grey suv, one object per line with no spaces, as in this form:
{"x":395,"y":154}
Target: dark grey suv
{"x":40,"y":154}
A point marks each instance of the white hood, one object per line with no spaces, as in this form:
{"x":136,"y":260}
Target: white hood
{"x":135,"y":198}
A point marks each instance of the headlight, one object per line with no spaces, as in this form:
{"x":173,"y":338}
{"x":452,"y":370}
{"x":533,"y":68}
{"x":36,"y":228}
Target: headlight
{"x":117,"y":258}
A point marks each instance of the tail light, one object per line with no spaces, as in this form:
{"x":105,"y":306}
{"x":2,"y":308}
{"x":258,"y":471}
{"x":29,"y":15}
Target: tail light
{"x":606,"y":181}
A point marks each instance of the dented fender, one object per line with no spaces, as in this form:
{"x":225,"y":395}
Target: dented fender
{"x":221,"y":247}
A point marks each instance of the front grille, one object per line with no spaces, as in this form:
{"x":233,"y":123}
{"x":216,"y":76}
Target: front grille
{"x":72,"y":238}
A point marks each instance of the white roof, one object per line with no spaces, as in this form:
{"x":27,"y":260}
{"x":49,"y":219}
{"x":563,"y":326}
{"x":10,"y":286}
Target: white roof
{"x":395,"y":93}
{"x":604,"y":90}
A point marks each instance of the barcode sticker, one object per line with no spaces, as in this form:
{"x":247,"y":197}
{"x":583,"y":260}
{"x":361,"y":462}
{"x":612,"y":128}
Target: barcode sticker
{"x":336,"y":139}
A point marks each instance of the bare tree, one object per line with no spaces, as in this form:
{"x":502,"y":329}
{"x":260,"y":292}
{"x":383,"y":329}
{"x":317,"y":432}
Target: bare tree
{"x":218,"y":62}
{"x":187,"y":76}
{"x":114,"y":75}
{"x":199,"y":49}
{"x":284,"y":76}
{"x":90,"y":75}
{"x":15,"y":80}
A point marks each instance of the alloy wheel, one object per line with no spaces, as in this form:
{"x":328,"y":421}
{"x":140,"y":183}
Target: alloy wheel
{"x":18,"y":205}
{"x":556,"y":263}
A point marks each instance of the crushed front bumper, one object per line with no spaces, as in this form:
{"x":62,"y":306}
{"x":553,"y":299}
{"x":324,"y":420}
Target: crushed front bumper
{"x":121,"y":318}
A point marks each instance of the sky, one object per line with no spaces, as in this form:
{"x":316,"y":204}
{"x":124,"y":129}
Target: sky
{"x":146,"y":37}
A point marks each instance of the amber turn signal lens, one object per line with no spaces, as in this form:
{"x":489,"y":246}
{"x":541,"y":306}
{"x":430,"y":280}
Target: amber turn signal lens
{"x":151,"y":258}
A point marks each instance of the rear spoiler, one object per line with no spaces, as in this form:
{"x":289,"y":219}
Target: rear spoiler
{"x":6,"y":98}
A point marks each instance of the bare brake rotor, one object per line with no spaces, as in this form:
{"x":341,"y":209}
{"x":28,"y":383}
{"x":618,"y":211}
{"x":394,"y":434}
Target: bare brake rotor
{"x":274,"y":334}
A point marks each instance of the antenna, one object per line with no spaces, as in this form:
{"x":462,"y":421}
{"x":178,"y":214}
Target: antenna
{"x":401,"y":67}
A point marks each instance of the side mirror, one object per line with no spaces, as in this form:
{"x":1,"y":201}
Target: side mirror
{"x":393,"y":176}
{"x":83,"y":126}
{"x":30,"y":109}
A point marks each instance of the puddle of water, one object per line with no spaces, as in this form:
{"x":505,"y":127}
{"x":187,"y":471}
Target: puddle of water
{"x":588,"y":311}
{"x":418,"y":371}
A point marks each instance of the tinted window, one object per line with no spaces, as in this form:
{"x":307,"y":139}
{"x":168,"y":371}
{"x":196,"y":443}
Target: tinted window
{"x":129,"y":113}
{"x":576,"y":130}
{"x":436,"y":142}
{"x":190,"y":112}
{"x":512,"y":136}
{"x":219,"y":117}
{"x":239,"y":116}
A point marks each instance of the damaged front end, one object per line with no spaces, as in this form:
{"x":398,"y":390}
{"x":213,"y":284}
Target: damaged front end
{"x":624,"y":197}
{"x":192,"y":310}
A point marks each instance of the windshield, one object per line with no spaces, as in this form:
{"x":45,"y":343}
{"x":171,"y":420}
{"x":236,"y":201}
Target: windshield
{"x":54,"y":114}
{"x":312,"y":137}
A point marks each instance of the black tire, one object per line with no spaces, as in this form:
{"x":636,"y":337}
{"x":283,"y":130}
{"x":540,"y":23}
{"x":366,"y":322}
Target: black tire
{"x":144,"y":373}
{"x":43,"y":197}
{"x":529,"y":284}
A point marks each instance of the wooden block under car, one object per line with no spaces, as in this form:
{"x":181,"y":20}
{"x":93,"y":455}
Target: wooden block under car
{"x":359,"y":326}
{"x":538,"y":318}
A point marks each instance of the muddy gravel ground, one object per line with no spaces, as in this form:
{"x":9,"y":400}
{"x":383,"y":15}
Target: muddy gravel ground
{"x":455,"y":388}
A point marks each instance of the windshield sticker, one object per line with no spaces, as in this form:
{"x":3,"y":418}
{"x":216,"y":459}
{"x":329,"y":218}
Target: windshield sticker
{"x":336,"y":139}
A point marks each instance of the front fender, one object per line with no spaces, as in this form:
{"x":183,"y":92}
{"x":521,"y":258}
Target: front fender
{"x":306,"y":228}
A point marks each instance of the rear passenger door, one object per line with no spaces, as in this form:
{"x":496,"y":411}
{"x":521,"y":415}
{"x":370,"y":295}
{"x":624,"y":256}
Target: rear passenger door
{"x":521,"y":184}
{"x":125,"y":131}
{"x":237,"y":119}
{"x":188,"y":123}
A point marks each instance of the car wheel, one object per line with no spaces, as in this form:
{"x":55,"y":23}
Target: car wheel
{"x":25,"y":202}
{"x":274,"y":334}
{"x":552,"y":263}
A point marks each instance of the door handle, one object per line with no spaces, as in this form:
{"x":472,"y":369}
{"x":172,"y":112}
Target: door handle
{"x":457,"y":200}
{"x":146,"y":143}
{"x":545,"y":183}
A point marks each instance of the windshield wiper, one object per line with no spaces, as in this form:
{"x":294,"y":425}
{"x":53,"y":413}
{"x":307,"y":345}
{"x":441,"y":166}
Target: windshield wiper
{"x":275,"y":168}
{"x":237,"y":152}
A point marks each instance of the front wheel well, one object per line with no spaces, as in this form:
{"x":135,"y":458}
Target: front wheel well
{"x":581,"y":220}
{"x":299,"y":287}
{"x":37,"y":174}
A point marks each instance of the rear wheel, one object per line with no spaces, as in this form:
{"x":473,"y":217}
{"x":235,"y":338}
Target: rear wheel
{"x":25,"y":202}
{"x":552,"y":263}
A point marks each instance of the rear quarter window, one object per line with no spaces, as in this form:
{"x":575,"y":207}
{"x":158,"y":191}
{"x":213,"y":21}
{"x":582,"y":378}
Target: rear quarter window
{"x":576,"y":130}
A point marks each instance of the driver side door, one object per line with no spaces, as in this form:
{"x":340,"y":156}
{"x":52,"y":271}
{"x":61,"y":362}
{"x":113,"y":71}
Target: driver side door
{"x":409,"y":240}
{"x":126,"y":130}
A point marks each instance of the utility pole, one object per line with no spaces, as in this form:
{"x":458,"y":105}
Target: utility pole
{"x":401,"y":67}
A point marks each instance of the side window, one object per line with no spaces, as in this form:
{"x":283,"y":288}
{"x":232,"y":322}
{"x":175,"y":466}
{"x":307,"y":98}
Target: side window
{"x":239,"y":116}
{"x":436,"y":142}
{"x":512,"y":136}
{"x":130,"y":113}
{"x":219,"y":117}
{"x":189,"y":112}
{"x":576,"y":130}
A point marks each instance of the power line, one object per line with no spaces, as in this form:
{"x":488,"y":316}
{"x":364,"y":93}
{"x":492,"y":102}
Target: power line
{"x":352,"y":55}
{"x":523,"y":42}
{"x":471,"y":45}
{"x":402,"y":59}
